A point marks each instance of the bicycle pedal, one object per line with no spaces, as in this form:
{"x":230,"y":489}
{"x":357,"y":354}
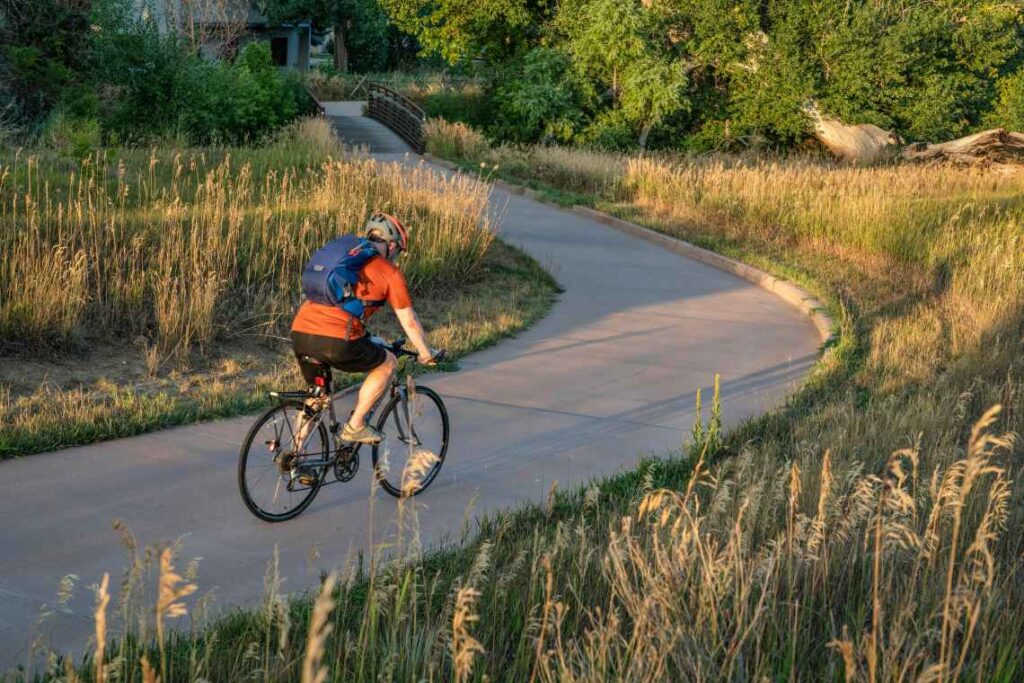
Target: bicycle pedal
{"x":305,"y":476}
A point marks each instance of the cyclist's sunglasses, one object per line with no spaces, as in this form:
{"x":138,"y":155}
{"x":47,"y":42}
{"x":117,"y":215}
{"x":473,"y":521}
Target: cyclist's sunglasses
{"x":393,"y":248}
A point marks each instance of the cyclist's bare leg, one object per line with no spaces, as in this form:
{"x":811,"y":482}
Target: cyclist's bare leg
{"x":304,"y":423}
{"x":374,"y":386}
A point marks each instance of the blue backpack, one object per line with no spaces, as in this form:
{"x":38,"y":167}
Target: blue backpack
{"x":331,"y":274}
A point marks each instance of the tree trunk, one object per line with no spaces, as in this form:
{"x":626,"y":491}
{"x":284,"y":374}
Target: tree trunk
{"x":991,"y":145}
{"x":644,"y":132}
{"x":340,"y":50}
{"x":862,"y":143}
{"x":867,"y":143}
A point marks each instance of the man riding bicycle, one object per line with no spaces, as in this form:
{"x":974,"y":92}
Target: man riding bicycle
{"x":337,"y":338}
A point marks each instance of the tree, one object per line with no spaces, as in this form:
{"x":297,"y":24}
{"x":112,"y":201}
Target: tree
{"x":1009,"y":106}
{"x":43,"y":46}
{"x":537,"y":98}
{"x":620,"y":46}
{"x":714,"y":73}
{"x":495,"y":30}
{"x":927,"y":70}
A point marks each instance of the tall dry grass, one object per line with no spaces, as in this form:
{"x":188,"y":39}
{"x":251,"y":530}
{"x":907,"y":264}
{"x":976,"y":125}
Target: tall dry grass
{"x":907,"y":563}
{"x":454,"y":140}
{"x":146,"y":288}
{"x":748,"y":569}
{"x":932,"y":256}
{"x":416,"y":85}
{"x":568,"y":169}
{"x":184,"y":247}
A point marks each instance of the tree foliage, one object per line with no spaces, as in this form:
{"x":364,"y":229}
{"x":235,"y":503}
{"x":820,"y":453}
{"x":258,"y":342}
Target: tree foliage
{"x":496,"y":30}
{"x":43,"y":43}
{"x":537,"y":99}
{"x":1009,"y":109}
{"x":714,"y":73}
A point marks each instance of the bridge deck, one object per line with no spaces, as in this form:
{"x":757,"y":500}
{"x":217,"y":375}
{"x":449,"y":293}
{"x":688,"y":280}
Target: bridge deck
{"x":360,"y":131}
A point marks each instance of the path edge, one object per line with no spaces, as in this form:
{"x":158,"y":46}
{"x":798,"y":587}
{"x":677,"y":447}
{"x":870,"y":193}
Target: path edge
{"x":787,"y":290}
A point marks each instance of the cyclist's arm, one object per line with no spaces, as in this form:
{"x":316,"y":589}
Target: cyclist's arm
{"x":414,"y":331}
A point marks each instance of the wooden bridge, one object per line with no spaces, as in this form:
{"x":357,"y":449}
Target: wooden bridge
{"x":387,"y":122}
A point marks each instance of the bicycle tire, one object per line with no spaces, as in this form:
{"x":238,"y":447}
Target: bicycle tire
{"x":445,"y":431}
{"x":243,"y":458}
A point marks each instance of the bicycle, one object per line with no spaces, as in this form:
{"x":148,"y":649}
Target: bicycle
{"x":291,"y":441}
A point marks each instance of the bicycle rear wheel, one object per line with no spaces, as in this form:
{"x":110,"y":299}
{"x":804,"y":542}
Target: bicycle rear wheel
{"x":268,"y":460}
{"x":415,"y":441}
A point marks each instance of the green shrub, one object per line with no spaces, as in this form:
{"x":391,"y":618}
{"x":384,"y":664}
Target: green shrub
{"x":43,"y":44}
{"x":241,"y":101}
{"x":465,"y":105}
{"x":1009,"y":108}
{"x":70,"y":135}
{"x":537,"y":99}
{"x":141,"y":75}
{"x":275,"y":102}
{"x":67,"y":69}
{"x":610,"y":130}
{"x":167,"y":90}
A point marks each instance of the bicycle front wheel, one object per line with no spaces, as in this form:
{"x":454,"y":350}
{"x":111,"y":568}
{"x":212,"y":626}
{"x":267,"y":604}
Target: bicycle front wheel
{"x":269,"y":464}
{"x":415,"y":440}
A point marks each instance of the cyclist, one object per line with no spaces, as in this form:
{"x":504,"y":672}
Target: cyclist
{"x":338,"y":339}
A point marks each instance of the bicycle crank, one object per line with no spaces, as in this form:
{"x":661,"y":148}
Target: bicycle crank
{"x":346,"y":462}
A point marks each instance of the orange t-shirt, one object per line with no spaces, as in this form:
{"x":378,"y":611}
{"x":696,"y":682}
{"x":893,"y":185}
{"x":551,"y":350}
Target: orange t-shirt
{"x":379,"y":280}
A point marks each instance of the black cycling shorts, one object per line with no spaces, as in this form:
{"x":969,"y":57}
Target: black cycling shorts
{"x":357,"y":355}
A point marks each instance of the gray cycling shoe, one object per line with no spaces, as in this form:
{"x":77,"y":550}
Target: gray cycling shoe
{"x":367,"y":434}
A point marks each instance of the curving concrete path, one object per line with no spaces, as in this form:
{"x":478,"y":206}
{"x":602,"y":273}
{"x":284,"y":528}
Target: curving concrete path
{"x":608,"y":375}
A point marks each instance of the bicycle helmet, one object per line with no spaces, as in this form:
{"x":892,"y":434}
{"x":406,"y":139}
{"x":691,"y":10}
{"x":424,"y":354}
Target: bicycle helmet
{"x":387,"y":228}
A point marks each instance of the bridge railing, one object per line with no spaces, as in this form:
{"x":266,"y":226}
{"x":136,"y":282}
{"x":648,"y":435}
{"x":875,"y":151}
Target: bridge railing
{"x":397,"y":112}
{"x":318,"y":107}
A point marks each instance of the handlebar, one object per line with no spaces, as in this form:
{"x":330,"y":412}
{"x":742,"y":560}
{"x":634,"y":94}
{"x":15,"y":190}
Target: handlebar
{"x":397,"y":347}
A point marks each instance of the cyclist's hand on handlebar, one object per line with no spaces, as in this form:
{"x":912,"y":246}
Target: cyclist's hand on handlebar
{"x":431,"y":358}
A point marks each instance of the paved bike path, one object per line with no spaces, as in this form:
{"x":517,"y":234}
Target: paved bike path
{"x":609,"y":374}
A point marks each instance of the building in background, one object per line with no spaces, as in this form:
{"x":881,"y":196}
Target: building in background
{"x":219,"y":28}
{"x":290,"y":43}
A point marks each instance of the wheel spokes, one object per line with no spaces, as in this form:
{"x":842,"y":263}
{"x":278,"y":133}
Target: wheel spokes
{"x":278,"y":496}
{"x":409,"y":455}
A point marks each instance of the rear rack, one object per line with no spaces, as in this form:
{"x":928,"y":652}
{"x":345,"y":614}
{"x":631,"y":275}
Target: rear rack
{"x":290,"y":394}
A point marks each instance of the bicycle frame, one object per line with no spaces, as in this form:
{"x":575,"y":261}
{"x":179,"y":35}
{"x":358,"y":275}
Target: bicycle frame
{"x":314,"y":423}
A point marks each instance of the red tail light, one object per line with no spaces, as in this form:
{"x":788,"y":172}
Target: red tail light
{"x":320,"y":382}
